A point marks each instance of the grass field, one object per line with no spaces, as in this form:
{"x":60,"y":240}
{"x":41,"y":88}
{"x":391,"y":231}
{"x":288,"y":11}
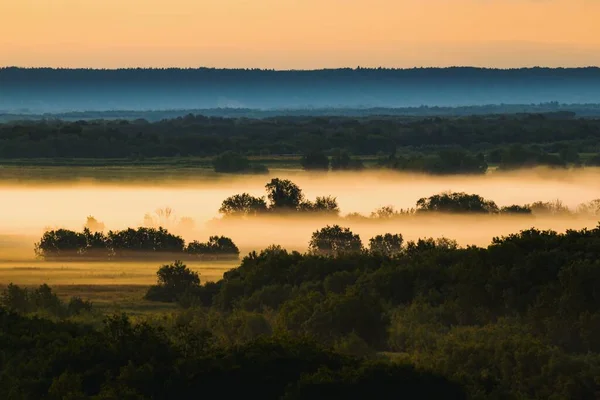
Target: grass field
{"x":99,"y":272}
{"x":180,"y":168}
{"x":110,"y":286}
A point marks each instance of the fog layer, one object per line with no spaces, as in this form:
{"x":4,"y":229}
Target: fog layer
{"x":30,"y":208}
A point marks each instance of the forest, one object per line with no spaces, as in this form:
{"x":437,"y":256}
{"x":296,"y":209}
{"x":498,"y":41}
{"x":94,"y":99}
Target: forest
{"x":351,"y":316}
{"x":432,"y":144}
{"x":517,"y":319}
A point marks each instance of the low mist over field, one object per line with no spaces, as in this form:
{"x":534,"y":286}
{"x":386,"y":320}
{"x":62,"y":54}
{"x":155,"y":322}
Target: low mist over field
{"x":29,"y":208}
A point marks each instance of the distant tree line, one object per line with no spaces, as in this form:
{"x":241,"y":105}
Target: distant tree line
{"x":433,"y":144}
{"x":284,"y":196}
{"x":550,"y":109}
{"x":129,"y":243}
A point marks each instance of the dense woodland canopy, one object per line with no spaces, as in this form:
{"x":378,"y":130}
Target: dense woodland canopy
{"x":435,"y":145}
{"x":519,"y":319}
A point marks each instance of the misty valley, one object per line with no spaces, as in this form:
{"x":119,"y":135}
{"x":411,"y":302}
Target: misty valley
{"x":299,"y":200}
{"x":330,"y":254}
{"x":370,"y":281}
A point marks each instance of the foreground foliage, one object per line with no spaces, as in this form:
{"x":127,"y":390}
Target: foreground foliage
{"x":519,"y":319}
{"x":127,"y":361}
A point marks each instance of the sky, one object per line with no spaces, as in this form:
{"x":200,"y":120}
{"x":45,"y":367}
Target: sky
{"x":299,"y":34}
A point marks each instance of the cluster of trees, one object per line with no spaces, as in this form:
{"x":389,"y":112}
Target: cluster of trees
{"x":340,"y":161}
{"x":519,"y":156}
{"x":518,"y":319}
{"x":284,"y":196}
{"x":128,"y":243}
{"x":444,"y":162}
{"x":197,"y":135}
{"x":41,"y":300}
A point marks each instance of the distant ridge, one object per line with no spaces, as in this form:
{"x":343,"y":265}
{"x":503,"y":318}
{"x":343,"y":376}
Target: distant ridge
{"x":43,"y":90}
{"x":14,"y":67}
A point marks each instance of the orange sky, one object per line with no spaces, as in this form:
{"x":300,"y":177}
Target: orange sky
{"x":286,"y":34}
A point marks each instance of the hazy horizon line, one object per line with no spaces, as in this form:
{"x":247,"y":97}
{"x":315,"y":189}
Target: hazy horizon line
{"x":5,"y":67}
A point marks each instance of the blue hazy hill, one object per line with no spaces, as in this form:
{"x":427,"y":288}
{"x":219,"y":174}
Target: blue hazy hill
{"x":40,"y":90}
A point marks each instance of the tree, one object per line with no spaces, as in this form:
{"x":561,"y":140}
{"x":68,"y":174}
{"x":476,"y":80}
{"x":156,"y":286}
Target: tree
{"x":284,"y":195}
{"x":241,"y":205}
{"x":173,"y":280}
{"x":315,"y":161}
{"x":145,"y":240}
{"x":334,"y":240}
{"x":61,"y":242}
{"x":387,"y":245}
{"x":323,"y":205}
{"x":216,"y":246}
{"x":457,"y":203}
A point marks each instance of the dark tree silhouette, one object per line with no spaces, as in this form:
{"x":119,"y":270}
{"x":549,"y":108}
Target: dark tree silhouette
{"x":284,"y":195}
{"x":334,"y":240}
{"x":456,"y":203}
{"x":217,"y":246}
{"x":173,"y":280}
{"x":387,"y":245}
{"x":243,"y":205}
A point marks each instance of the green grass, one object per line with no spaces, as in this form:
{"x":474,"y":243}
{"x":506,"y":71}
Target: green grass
{"x":110,"y":299}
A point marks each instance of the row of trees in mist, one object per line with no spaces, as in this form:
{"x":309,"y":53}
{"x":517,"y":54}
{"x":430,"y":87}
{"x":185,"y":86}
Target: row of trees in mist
{"x":284,"y":196}
{"x":418,"y":144}
{"x":444,"y":162}
{"x":129,"y":243}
